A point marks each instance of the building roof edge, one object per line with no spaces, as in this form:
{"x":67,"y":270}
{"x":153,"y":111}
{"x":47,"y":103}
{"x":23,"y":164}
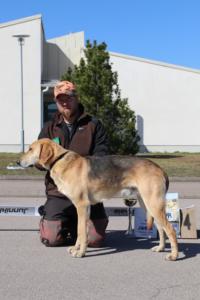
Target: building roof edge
{"x":154,"y":62}
{"x":18,"y":21}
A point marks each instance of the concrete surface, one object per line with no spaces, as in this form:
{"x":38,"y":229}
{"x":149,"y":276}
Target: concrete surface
{"x":123,"y":269}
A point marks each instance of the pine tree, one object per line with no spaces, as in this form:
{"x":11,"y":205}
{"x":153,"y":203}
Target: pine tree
{"x":98,"y":89}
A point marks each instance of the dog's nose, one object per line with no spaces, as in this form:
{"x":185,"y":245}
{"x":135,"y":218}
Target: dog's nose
{"x":18,"y":162}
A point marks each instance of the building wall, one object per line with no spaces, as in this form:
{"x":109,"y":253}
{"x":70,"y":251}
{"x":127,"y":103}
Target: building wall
{"x":166,"y":100}
{"x":10,"y":78}
{"x":61,"y":53}
{"x":164,"y":97}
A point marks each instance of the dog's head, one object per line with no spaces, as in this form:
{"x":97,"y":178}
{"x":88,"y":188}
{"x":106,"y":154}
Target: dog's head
{"x":41,"y":153}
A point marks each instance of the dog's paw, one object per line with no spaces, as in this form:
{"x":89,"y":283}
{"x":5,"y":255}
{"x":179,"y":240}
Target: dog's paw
{"x":157,"y":249}
{"x":76,"y":252}
{"x":70,"y":250}
{"x":171,"y":257}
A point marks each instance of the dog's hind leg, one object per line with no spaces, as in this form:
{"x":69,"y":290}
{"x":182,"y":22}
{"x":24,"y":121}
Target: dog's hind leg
{"x":171,"y":234}
{"x":158,"y":212}
{"x":148,"y":215}
{"x":161,"y":246}
{"x":152,"y":192}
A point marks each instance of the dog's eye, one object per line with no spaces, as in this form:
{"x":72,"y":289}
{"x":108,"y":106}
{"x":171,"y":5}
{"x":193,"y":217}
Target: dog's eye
{"x":30,"y":149}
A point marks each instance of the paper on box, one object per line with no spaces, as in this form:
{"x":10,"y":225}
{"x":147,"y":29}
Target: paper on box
{"x":172,"y":207}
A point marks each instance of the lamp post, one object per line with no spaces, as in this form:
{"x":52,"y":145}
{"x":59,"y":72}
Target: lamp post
{"x":21,"y":39}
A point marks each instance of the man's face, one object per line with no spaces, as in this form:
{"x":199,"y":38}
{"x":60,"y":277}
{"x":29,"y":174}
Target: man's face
{"x":67,"y":106}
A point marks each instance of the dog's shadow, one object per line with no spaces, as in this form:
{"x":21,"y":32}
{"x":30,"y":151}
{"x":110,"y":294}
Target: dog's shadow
{"x":116,"y":241}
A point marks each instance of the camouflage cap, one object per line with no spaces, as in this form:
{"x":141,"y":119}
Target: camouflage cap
{"x":64,"y":87}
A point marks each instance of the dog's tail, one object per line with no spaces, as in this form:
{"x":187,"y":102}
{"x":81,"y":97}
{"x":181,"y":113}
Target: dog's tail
{"x":150,"y":221}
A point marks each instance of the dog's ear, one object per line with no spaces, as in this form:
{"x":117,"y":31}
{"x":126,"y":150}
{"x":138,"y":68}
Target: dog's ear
{"x":46,"y":154}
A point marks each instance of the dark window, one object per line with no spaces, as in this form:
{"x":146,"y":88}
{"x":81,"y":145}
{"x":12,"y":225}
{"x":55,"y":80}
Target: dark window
{"x":49,"y":110}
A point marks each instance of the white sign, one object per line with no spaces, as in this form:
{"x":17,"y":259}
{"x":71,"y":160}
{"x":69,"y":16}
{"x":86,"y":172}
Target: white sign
{"x":16,"y":210}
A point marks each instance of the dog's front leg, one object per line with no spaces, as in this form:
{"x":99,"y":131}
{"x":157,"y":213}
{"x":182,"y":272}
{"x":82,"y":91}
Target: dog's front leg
{"x":81,"y":243}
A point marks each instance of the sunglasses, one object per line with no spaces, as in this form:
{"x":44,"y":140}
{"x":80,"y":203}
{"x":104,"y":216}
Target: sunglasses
{"x":64,"y":100}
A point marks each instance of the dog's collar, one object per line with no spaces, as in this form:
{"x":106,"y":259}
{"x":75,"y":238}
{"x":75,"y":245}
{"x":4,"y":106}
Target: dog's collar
{"x":57,"y":159}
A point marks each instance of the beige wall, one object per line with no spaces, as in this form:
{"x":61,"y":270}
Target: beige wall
{"x":42,"y":61}
{"x":166,"y":100}
{"x":10,"y":78}
{"x":61,"y":53}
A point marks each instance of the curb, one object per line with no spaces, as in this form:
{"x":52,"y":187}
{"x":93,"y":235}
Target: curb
{"x":38,"y":178}
{"x":184,"y":179}
{"x":21,"y":177}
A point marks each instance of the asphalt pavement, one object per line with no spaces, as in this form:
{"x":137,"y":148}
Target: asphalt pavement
{"x":123,"y":269}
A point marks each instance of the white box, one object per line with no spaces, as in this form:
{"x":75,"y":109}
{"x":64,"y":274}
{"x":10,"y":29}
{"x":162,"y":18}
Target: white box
{"x":140,"y":225}
{"x":172,"y":213}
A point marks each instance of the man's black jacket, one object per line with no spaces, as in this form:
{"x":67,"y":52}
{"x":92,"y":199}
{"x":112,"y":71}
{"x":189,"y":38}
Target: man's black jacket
{"x":87,"y":136}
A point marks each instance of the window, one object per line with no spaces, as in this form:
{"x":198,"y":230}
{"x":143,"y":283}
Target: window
{"x":49,"y":110}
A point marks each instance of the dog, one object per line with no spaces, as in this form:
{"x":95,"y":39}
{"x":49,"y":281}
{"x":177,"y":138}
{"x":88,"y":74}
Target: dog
{"x":89,"y":180}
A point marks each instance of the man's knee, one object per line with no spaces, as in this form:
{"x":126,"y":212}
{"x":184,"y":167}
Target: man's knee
{"x":52,"y":233}
{"x":97,"y":225}
{"x":58,"y":232}
{"x":96,"y":232}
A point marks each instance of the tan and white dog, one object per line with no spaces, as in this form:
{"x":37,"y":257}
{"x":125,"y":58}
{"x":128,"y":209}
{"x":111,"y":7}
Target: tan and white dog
{"x":88,"y":180}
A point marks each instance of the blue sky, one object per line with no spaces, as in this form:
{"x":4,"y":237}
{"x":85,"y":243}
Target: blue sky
{"x":163,"y":30}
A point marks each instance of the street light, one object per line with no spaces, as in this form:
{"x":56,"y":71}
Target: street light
{"x":21,"y":39}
